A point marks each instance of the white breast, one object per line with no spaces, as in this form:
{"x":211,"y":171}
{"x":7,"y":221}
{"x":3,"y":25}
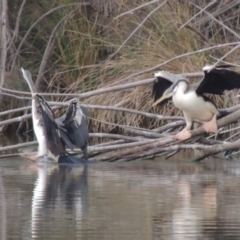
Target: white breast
{"x":39,"y":131}
{"x":194,"y":105}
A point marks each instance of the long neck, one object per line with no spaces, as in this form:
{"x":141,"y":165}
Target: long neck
{"x":181,"y":87}
{"x":28,"y":77}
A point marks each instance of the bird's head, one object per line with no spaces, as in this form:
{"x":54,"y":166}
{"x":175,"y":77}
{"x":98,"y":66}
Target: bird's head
{"x":75,"y":101}
{"x":208,"y":68}
{"x":168,"y":93}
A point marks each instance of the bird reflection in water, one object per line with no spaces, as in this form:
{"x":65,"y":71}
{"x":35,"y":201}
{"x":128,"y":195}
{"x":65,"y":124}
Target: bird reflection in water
{"x":60,"y":194}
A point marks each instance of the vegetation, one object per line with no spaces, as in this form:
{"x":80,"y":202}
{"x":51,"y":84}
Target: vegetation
{"x":77,"y":47}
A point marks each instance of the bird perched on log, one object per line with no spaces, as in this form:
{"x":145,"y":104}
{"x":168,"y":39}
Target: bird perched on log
{"x":52,"y":138}
{"x":190,"y":98}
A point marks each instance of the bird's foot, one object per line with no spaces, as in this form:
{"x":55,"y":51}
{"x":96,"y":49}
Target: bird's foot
{"x":210,"y":126}
{"x":183,"y":135}
{"x":33,"y":156}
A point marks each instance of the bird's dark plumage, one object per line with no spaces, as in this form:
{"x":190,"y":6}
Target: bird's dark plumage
{"x":218,"y":79}
{"x":159,"y":86}
{"x":51,"y":133}
{"x":163,"y":81}
{"x":55,"y":143}
{"x":75,"y":124}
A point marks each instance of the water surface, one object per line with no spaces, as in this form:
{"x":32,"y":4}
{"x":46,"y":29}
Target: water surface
{"x":135,"y":200}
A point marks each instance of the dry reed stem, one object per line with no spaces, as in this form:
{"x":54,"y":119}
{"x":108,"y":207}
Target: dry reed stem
{"x":36,"y":22}
{"x":151,"y":69}
{"x":135,"y":30}
{"x":134,"y":9}
{"x":4,"y":43}
{"x":48,"y":50}
{"x":210,"y":4}
{"x":217,"y":21}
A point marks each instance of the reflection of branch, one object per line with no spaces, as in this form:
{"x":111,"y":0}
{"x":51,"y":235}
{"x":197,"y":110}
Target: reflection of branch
{"x":3,"y":198}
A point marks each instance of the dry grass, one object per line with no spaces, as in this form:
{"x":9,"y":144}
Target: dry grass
{"x":85,"y":41}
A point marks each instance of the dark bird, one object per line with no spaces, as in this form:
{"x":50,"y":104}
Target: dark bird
{"x":52,"y":139}
{"x":190,"y":98}
{"x":74,"y":124}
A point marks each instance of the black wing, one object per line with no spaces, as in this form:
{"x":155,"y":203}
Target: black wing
{"x":76,"y":125}
{"x":85,"y":111}
{"x":159,"y":87}
{"x":217,"y":80}
{"x":55,"y":145}
{"x":163,"y":80}
{"x":63,"y":132}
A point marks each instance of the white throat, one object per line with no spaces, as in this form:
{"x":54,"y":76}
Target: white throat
{"x":180,"y":88}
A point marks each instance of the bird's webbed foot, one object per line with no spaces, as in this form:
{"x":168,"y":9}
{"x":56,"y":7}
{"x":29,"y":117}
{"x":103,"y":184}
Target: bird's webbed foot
{"x":211,"y":126}
{"x":183,"y":135}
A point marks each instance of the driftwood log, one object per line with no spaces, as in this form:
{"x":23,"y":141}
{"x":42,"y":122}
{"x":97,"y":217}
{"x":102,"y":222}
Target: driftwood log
{"x":135,"y":143}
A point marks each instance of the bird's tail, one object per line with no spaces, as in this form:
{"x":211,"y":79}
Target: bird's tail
{"x":223,"y":113}
{"x":67,"y":158}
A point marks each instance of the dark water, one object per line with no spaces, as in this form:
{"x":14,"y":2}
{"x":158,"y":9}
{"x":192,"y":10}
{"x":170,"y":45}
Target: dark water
{"x":138,"y":200}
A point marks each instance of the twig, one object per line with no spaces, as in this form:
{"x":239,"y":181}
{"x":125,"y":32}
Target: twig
{"x":14,"y":110}
{"x":135,"y":30}
{"x":168,"y":126}
{"x":134,"y":9}
{"x":110,"y":143}
{"x":37,"y":21}
{"x":224,"y":56}
{"x":178,"y":57}
{"x":144,"y":133}
{"x":210,"y":4}
{"x":116,"y":136}
{"x":15,"y":96}
{"x":132,"y":111}
{"x":48,"y":50}
{"x":216,"y":20}
{"x":16,"y":146}
{"x":15,"y":33}
{"x":101,"y":90}
{"x":90,"y":93}
{"x":210,"y":150}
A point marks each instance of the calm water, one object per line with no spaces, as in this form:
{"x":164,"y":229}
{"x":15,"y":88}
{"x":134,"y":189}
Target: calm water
{"x":138,"y":200}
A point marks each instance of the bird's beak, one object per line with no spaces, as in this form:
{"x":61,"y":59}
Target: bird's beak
{"x":165,"y":96}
